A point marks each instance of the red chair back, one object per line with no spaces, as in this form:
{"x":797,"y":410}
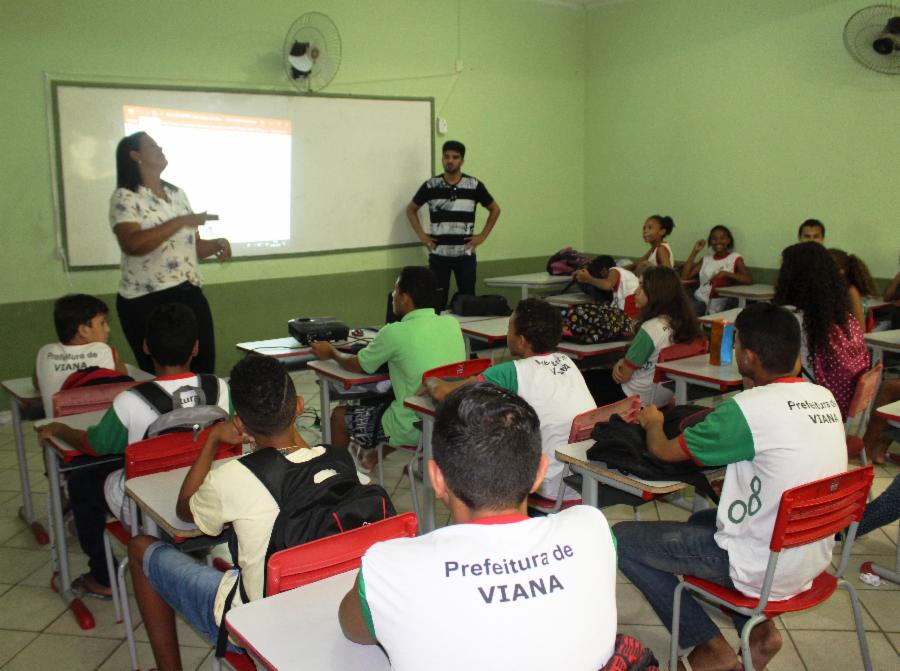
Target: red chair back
{"x":461,"y":369}
{"x":820,"y":509}
{"x":866,"y":388}
{"x":87,"y":399}
{"x":680,"y":351}
{"x":169,"y":451}
{"x":584,"y":423}
{"x":329,"y":556}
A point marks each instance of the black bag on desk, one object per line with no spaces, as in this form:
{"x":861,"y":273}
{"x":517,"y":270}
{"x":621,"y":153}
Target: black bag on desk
{"x":490,"y":305}
{"x":623,"y":446}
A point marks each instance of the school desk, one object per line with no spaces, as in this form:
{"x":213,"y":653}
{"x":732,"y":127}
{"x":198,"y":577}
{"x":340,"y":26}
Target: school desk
{"x":491,"y":331}
{"x":566,"y":300}
{"x":581,"y":352}
{"x":724,"y":315}
{"x":883,"y":341}
{"x":330,"y":370}
{"x":299,"y":630}
{"x":698,"y":371}
{"x":424,"y":407}
{"x":529,"y":281}
{"x":748,"y":292}
{"x":62,"y":458}
{"x":289,"y":351}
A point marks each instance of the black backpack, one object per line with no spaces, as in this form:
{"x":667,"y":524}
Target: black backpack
{"x":488,"y":305}
{"x":309,"y":510}
{"x":623,"y":446}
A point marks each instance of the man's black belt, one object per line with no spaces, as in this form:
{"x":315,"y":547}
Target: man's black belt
{"x":451,"y":239}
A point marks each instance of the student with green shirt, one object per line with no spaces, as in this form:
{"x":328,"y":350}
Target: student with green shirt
{"x":420,"y":341}
{"x":781,"y":433}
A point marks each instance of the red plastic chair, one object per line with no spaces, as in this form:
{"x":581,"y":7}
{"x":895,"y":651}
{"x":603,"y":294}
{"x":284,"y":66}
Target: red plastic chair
{"x":861,"y":407}
{"x":582,"y":426}
{"x":807,"y":514}
{"x":145,"y":457}
{"x":322,"y":559}
{"x":88,"y":399}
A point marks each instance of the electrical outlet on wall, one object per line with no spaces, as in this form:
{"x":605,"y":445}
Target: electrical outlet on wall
{"x":441,"y":126}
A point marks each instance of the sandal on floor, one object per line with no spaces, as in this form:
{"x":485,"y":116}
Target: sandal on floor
{"x":362,"y":457}
{"x":81,"y":588}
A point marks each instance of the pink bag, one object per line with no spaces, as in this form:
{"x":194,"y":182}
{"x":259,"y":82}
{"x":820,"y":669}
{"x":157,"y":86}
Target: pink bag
{"x":838,"y":366}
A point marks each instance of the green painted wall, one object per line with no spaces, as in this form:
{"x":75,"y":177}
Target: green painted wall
{"x":750,"y":114}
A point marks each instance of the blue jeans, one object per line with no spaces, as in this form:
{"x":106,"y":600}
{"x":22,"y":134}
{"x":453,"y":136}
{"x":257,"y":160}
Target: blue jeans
{"x":653,"y":554}
{"x":883,"y":510}
{"x":187,"y":586}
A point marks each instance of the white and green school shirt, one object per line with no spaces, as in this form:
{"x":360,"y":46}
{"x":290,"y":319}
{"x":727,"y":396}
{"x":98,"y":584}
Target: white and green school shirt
{"x":623,"y":293}
{"x":775,"y":437}
{"x":56,"y":362}
{"x":641,"y":356}
{"x":555,"y":388}
{"x":499,"y":583}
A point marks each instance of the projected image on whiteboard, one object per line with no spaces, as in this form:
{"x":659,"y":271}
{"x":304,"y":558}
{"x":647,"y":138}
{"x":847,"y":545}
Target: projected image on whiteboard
{"x":238,"y":167}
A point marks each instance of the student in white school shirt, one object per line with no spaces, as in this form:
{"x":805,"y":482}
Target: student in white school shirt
{"x":723,"y":264}
{"x":82,"y":328}
{"x":781,"y":433}
{"x":549,"y":381}
{"x":479,"y":594}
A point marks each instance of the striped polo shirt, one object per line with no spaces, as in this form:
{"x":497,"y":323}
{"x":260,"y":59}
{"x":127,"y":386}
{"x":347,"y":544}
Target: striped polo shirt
{"x":451,"y":208}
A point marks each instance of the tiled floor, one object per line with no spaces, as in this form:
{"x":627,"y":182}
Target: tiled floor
{"x":37,"y":632}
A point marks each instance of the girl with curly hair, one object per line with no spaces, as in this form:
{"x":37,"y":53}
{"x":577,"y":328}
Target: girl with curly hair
{"x":832,"y":348}
{"x":859,"y":282}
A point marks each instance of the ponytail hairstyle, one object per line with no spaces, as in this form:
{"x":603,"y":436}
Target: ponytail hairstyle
{"x":667,"y":298}
{"x":665,"y":222}
{"x":855,"y":271}
{"x":725,"y":230}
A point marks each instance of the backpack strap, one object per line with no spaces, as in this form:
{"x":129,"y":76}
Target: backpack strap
{"x":156,"y":397}
{"x":222,"y":637}
{"x":210,"y":386}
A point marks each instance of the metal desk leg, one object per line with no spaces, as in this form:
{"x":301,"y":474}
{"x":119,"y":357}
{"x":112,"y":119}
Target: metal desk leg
{"x":590,"y":487}
{"x":524,"y":291}
{"x":468,"y":343}
{"x":61,"y":581}
{"x":877,"y":354}
{"x":427,"y":522}
{"x":26,"y":512}
{"x":742,"y":302}
{"x":680,"y":391}
{"x":325,"y":409}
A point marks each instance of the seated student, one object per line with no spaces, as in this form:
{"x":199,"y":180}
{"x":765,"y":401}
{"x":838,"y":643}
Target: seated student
{"x":876,"y":444}
{"x":166,"y":580}
{"x":723,"y":264}
{"x":492,"y":581}
{"x":883,"y":509}
{"x":93,"y":492}
{"x":833,"y":349}
{"x":421,"y":340}
{"x":859,"y":282}
{"x":666,"y":317}
{"x":604,"y":274}
{"x":811,"y":230}
{"x":771,"y":442}
{"x":82,"y":329}
{"x":548,"y":380}
{"x":656,"y":229}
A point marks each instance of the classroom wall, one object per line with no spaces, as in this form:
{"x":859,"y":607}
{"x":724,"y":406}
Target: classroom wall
{"x":517,"y":102}
{"x":749,"y":114}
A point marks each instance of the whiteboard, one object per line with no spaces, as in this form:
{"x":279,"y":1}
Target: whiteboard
{"x":288,"y":174}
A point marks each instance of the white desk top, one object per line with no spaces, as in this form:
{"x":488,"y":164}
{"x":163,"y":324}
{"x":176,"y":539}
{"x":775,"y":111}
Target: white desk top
{"x":699,"y":368}
{"x":574,"y":298}
{"x":276,"y":347}
{"x":299,"y":629}
{"x":333,"y":370}
{"x":492,"y":329}
{"x":542,"y":279}
{"x":576,"y":453}
{"x":725,"y":315}
{"x":884,"y":339}
{"x":157,"y":495}
{"x":22,"y":389}
{"x":891,"y":412}
{"x":585,"y":351}
{"x":760,"y":292}
{"x":423,"y":405}
{"x":465,"y":320}
{"x":82,"y":421}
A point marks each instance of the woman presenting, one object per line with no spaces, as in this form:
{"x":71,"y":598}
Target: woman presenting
{"x":157,"y":233}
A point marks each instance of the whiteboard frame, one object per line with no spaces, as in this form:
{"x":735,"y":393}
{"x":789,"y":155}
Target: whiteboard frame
{"x":55,"y":82}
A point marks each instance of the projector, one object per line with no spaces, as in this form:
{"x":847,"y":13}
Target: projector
{"x":308,"y":329}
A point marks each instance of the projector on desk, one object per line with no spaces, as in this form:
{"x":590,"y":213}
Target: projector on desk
{"x":308,"y":329}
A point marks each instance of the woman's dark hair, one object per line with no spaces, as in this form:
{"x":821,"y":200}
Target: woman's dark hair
{"x":856,"y":272}
{"x":127,"y":174}
{"x":810,"y":281}
{"x":667,"y":298}
{"x":665,"y":222}
{"x":539,"y":323}
{"x":263,"y":394}
{"x":725,"y":230}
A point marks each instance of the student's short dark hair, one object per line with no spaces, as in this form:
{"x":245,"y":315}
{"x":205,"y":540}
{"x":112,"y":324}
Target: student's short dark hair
{"x":263,"y":394}
{"x":539,"y":323}
{"x":420,"y":284}
{"x":665,"y":222}
{"x":73,"y":310}
{"x":811,"y":223}
{"x":454,"y":145}
{"x":171,"y":334}
{"x":772,"y":333}
{"x":487,"y":443}
{"x":725,"y":230}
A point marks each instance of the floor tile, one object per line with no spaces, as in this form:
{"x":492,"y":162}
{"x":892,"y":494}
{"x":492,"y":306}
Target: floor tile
{"x":29,"y":608}
{"x":833,"y":615}
{"x":840,"y":650}
{"x":18,"y":564}
{"x":632,"y":607}
{"x":9,"y":527}
{"x":11,"y":642}
{"x":882,"y":606}
{"x":104,"y":617}
{"x":187,"y":637}
{"x":73,"y":653}
{"x":191,"y":658}
{"x":853,"y":569}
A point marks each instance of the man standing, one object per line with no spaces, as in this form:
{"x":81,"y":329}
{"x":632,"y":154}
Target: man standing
{"x":452,"y":197}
